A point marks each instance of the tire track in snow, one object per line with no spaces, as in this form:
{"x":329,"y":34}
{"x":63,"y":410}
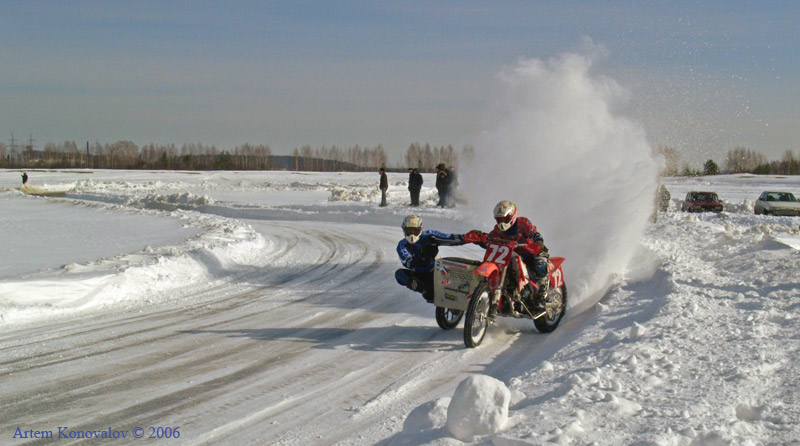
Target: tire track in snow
{"x":221,"y":364}
{"x":84,"y":345}
{"x":34,"y":338}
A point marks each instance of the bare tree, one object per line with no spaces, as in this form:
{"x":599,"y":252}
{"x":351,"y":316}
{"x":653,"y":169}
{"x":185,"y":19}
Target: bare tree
{"x":413,"y":156}
{"x":672,"y":159}
{"x":741,"y":159}
{"x":468,"y":154}
{"x":790,"y":164}
{"x":427,"y":157}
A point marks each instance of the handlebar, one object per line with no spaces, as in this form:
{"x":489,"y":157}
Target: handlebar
{"x":506,"y":241}
{"x":440,"y":242}
{"x":474,"y":238}
{"x":436,"y":241}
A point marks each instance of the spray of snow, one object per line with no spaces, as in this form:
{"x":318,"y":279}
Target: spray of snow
{"x":585,"y":176}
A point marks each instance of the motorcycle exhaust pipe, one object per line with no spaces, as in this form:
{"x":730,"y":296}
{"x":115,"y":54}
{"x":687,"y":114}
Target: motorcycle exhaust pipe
{"x":544,"y":312}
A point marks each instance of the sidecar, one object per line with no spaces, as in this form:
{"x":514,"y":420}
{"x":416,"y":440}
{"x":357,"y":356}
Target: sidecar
{"x":453,"y":281}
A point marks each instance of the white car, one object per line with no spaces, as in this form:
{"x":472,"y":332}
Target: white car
{"x":777,"y":203}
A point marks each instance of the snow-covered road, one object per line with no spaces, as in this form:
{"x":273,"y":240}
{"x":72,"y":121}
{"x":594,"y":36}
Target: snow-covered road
{"x":277,"y":321}
{"x":275,"y":354}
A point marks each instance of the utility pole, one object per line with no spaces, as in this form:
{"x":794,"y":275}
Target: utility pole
{"x":13,"y":147}
{"x":29,"y":149}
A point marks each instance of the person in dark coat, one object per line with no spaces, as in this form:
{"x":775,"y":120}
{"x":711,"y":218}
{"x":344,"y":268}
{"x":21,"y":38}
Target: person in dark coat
{"x":414,"y":185}
{"x":442,"y":184}
{"x":663,"y":198}
{"x":418,"y":184}
{"x":452,"y":187}
{"x":24,"y":177}
{"x":384,"y":186}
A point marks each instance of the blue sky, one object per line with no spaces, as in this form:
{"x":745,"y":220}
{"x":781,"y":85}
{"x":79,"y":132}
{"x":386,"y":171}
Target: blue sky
{"x":703,"y":76}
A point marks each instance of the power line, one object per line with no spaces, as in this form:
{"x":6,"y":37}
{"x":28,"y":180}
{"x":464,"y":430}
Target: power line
{"x":30,"y":145}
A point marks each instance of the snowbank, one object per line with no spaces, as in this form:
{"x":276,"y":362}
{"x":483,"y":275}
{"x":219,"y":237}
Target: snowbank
{"x":209,"y":249}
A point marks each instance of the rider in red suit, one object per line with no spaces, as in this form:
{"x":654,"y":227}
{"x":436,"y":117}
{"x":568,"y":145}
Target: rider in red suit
{"x":534,"y":253}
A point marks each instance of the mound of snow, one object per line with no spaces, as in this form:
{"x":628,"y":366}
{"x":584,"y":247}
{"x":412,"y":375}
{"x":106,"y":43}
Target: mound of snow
{"x":354,"y":194}
{"x":478,"y":407}
{"x":184,"y":200}
{"x":44,"y":190}
{"x":742,"y":207}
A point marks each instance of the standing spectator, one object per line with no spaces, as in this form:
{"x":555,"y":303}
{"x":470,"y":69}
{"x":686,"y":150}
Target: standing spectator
{"x":414,"y":185}
{"x":419,"y":183}
{"x":663,"y":198}
{"x":24,"y":177}
{"x":384,"y":186}
{"x":452,"y":187}
{"x":442,"y":184}
{"x":411,"y":184}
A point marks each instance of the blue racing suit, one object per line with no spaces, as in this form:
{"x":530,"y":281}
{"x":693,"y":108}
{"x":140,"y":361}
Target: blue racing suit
{"x":419,"y":258}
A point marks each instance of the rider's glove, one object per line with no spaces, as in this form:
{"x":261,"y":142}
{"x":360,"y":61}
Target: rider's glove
{"x":417,"y":262}
{"x":475,"y":236}
{"x":428,"y":248}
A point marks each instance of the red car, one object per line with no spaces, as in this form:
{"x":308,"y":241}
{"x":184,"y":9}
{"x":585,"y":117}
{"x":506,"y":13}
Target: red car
{"x":701,"y":202}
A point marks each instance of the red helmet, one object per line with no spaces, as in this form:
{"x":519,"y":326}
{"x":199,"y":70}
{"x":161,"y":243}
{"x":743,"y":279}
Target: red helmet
{"x":505,"y":214}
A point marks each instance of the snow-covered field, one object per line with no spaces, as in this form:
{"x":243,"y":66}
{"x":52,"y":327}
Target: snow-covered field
{"x":261,"y":308}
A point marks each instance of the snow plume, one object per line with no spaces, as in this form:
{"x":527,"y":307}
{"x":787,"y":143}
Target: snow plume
{"x":583,"y":174}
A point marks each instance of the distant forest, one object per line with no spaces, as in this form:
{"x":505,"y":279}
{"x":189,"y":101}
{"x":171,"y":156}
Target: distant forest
{"x":738,"y":160}
{"x":196,"y":156}
{"x":127,"y":155}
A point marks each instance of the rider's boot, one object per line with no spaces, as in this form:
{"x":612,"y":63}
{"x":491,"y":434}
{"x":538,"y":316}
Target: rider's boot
{"x":415,"y":285}
{"x":544,"y":288}
{"x":492,"y":313}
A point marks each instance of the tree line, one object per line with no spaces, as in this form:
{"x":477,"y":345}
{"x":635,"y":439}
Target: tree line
{"x":742,"y":160}
{"x":197,"y":156}
{"x":738,"y":160}
{"x":426,"y":157}
{"x":324,"y":159}
{"x":127,"y":155}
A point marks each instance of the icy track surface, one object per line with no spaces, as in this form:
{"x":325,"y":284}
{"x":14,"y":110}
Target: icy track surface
{"x":268,"y":314}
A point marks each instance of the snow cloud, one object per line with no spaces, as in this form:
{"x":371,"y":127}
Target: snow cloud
{"x":581,"y":172}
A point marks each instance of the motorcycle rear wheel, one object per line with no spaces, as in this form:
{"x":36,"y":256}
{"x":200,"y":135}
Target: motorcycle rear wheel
{"x":476,"y":322}
{"x":550,"y":320}
{"x":448,"y":318}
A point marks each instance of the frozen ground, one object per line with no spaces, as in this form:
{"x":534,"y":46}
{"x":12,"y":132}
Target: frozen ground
{"x":260,"y":308}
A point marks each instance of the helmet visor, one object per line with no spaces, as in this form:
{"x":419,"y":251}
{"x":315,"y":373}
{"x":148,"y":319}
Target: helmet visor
{"x":504,"y":219}
{"x":412,"y":231}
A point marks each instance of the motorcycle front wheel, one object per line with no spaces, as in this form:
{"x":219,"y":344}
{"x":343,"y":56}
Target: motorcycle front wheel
{"x":447,"y":318}
{"x":477,"y":322}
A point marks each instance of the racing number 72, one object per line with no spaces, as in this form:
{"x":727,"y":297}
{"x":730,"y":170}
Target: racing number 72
{"x":497,"y":254}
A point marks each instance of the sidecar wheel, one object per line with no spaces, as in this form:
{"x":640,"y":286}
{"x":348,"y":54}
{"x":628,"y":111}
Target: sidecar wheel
{"x":448,"y":318}
{"x":558,"y":299}
{"x":477,"y":322}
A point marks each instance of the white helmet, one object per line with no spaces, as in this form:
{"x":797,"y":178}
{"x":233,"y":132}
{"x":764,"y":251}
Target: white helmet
{"x":505,"y":214}
{"x":412,"y":228}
